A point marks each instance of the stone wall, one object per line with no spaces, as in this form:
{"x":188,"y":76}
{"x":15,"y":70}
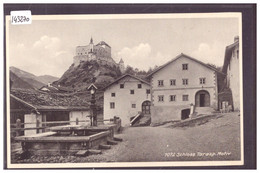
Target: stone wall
{"x":101,"y":53}
{"x":101,"y":60}
{"x":160,"y":114}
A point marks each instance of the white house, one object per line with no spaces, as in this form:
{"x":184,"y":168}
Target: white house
{"x":231,"y":69}
{"x":180,"y":83}
{"x":125,"y":97}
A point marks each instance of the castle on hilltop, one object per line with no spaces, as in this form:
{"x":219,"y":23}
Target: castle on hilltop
{"x":100,"y":52}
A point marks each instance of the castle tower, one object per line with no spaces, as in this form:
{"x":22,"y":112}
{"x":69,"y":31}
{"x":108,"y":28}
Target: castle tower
{"x":91,"y":44}
{"x":121,"y":65}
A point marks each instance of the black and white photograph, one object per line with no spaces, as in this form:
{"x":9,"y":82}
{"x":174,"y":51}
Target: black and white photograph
{"x":124,"y":90}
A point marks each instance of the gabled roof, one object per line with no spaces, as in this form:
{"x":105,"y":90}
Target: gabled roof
{"x":103,"y":43}
{"x":92,"y":86}
{"x":42,"y":101}
{"x":126,"y":75}
{"x":228,"y":54}
{"x":23,"y":102}
{"x":50,"y":88}
{"x":177,"y":57}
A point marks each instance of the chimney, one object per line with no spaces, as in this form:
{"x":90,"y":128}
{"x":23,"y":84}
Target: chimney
{"x":236,"y":38}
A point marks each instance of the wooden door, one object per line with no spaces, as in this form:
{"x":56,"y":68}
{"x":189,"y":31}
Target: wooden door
{"x":146,"y":107}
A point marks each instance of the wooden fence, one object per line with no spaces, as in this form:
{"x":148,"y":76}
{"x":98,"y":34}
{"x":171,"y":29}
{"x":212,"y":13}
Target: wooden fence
{"x":18,"y":128}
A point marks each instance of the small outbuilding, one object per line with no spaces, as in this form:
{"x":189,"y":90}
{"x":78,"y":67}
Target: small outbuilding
{"x":33,"y":109}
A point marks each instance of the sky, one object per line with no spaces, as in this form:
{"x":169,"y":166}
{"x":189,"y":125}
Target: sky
{"x":47,"y":47}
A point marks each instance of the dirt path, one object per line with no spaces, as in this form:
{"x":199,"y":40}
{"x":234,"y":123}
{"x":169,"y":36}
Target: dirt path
{"x":202,"y":142}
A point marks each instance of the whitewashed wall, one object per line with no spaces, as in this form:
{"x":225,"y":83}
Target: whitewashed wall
{"x":31,"y":118}
{"x":124,"y":100}
{"x":170,"y":110}
{"x":233,"y":78}
{"x":81,"y":115}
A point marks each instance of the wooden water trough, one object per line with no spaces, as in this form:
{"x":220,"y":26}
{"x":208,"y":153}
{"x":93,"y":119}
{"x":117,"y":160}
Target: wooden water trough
{"x":70,"y":139}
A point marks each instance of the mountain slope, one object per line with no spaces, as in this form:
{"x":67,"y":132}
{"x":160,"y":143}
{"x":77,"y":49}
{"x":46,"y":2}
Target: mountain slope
{"x":22,"y":74}
{"x":81,"y":76}
{"x":47,"y":78}
{"x":18,"y":82}
{"x":35,"y":81}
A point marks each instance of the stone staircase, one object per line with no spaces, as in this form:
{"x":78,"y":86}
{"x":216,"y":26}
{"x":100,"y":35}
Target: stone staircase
{"x":203,"y":110}
{"x":142,"y":120}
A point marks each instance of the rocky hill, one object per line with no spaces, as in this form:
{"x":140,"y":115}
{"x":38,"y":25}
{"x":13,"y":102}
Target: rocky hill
{"x":80,"y":77}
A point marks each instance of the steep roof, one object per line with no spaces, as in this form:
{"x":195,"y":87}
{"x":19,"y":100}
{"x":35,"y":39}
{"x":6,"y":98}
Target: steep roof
{"x":228,"y":54}
{"x":103,"y":43}
{"x":121,"y":61}
{"x":43,"y":101}
{"x":126,"y":75}
{"x":50,"y":88}
{"x":177,"y":57}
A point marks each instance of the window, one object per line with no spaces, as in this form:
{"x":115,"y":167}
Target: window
{"x":184,"y":66}
{"x":122,"y":85}
{"x":185,"y":97}
{"x":133,"y":105}
{"x":113,"y":94}
{"x":139,"y":85}
{"x":185,"y":81}
{"x":172,"y":98}
{"x":202,"y":80}
{"x":172,"y":82}
{"x":160,"y":82}
{"x":112,"y":105}
{"x":160,"y":98}
{"x":132,"y":91}
{"x":148,"y":91}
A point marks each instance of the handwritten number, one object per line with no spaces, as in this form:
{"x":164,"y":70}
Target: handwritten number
{"x":19,"y":19}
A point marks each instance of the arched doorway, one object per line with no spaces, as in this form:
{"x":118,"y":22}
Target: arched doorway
{"x":146,"y":107}
{"x":202,"y":99}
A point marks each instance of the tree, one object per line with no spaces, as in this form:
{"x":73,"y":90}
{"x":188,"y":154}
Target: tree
{"x":150,"y":70}
{"x":129,"y":70}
